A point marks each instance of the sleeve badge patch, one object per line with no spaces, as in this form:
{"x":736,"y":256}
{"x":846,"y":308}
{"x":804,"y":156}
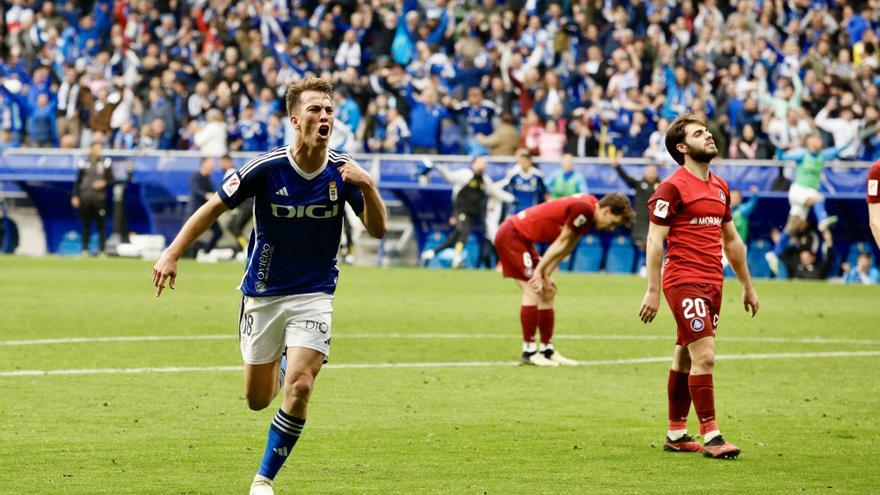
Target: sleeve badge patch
{"x":231,"y":184}
{"x":661,"y":208}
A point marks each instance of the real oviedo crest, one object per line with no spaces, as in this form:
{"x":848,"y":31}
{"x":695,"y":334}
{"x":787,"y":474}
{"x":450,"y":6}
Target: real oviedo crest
{"x":333,"y":194}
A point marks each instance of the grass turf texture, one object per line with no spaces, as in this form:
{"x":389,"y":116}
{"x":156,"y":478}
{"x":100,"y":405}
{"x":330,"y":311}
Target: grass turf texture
{"x":805,"y":425}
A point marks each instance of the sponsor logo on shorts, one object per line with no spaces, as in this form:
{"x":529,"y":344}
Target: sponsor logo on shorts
{"x":231,"y":184}
{"x":320,"y":326}
{"x":661,"y":208}
{"x":261,"y":287}
{"x":697,"y":324}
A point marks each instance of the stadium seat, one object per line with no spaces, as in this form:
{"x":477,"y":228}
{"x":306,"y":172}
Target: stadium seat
{"x":71,"y":244}
{"x":621,"y":255}
{"x":755,"y":257}
{"x":588,"y":255}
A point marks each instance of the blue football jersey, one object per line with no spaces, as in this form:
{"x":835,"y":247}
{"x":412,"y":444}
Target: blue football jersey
{"x":297,"y":222}
{"x":527,"y":189}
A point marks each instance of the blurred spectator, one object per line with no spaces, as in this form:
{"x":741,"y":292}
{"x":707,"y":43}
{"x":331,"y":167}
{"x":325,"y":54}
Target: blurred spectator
{"x":525,"y":182}
{"x":90,"y":193}
{"x":802,"y":263}
{"x":742,"y":211}
{"x":211,"y":138}
{"x":201,"y":188}
{"x":642,"y":190}
{"x":750,"y":146}
{"x":606,"y":74}
{"x":551,"y":142}
{"x":863,"y":273}
{"x":566,"y":181}
{"x":504,"y":140}
{"x":844,"y":128}
{"x":789,"y":133}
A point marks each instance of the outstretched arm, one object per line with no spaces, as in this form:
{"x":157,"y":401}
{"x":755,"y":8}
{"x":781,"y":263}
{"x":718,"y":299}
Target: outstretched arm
{"x":735,"y":251}
{"x":198,"y":223}
{"x":654,"y":259}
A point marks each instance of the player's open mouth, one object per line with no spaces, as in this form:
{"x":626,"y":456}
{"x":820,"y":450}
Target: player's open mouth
{"x":324,"y":130}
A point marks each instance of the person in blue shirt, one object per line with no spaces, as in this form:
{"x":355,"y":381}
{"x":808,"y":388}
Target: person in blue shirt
{"x":299,"y":194}
{"x":525,"y":182}
{"x":425,"y":116}
{"x":863,"y":273}
{"x":250,"y":134}
{"x":478,"y":115}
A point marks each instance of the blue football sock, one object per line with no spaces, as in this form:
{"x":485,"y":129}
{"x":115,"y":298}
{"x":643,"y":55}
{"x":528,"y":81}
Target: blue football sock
{"x":283,"y":434}
{"x":781,"y":245}
{"x":819,"y":210}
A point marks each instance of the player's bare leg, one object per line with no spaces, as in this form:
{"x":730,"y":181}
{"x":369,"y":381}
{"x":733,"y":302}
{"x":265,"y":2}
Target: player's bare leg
{"x":303,"y":367}
{"x":677,"y":438}
{"x":700,"y":385}
{"x":261,"y":384}
{"x":546,"y":321}
{"x":528,"y":314}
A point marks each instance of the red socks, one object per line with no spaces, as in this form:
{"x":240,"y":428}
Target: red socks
{"x":545,"y":324}
{"x":703,"y":394}
{"x":679,"y":400}
{"x":528,"y":317}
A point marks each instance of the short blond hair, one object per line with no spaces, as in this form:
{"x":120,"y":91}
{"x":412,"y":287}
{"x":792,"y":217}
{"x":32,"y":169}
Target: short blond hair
{"x":296,"y":89}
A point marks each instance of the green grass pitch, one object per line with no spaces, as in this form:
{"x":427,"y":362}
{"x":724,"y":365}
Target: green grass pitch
{"x":807,"y":423}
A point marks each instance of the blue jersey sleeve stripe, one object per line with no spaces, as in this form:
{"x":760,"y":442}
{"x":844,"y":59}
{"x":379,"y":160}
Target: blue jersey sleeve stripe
{"x":253,"y":164}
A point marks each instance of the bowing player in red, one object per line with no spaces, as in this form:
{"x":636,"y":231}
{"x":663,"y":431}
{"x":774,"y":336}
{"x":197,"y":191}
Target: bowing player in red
{"x":691,"y":211}
{"x":561,"y":222}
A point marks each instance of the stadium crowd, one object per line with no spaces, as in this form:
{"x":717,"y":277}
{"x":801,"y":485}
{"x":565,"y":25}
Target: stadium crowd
{"x":585,"y":77}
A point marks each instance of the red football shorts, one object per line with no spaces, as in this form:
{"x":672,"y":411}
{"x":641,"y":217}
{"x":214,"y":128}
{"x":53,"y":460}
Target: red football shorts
{"x":518,"y":256}
{"x":696,"y":308}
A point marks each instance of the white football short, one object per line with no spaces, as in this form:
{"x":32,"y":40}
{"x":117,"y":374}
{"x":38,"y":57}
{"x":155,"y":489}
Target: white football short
{"x":269,"y":325}
{"x":797,"y":198}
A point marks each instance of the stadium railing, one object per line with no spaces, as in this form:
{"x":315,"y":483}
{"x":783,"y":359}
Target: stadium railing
{"x":157,"y":188}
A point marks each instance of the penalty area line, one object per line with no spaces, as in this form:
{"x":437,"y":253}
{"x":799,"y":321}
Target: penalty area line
{"x":471,"y":364}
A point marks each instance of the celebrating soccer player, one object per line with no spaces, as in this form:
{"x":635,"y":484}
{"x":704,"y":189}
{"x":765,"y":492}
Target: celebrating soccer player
{"x":691,"y":211}
{"x":300,"y":191}
{"x":561,"y":221}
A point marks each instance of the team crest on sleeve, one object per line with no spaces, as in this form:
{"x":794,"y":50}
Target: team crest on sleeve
{"x":231,"y":184}
{"x":661,"y":208}
{"x":722,"y":196}
{"x":872,"y":187}
{"x":333,"y":192}
{"x":580,"y":221}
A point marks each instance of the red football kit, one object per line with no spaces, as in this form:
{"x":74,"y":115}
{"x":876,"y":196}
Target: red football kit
{"x":874,"y":183}
{"x":540,"y":224}
{"x":694,"y":211}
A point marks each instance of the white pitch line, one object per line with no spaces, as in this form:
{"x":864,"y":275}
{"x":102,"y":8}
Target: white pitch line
{"x":434,"y":335}
{"x":472,"y":364}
